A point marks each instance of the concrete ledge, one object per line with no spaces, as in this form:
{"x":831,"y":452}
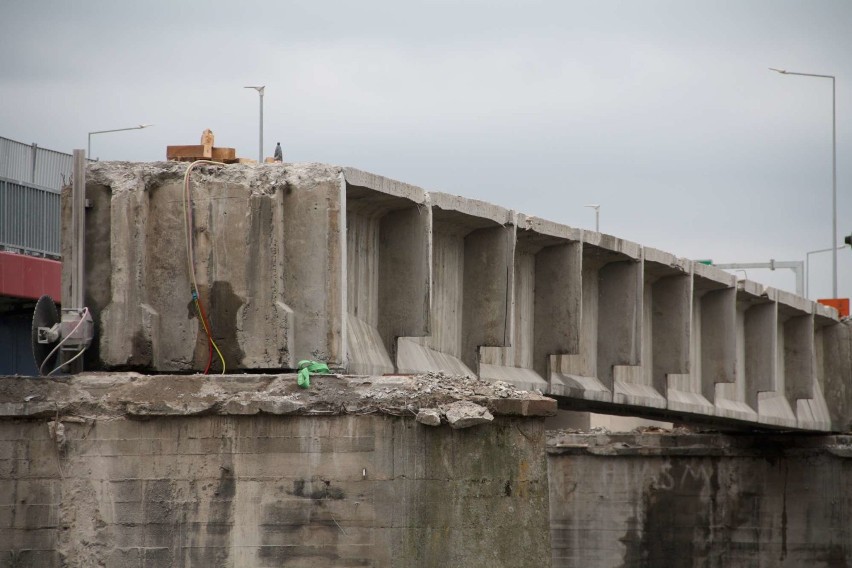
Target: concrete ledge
{"x":138,"y":396}
{"x":548,"y":228}
{"x":481,"y":210}
{"x":684,"y":443}
{"x":580,"y":387}
{"x":714,"y":274}
{"x":384,"y":185}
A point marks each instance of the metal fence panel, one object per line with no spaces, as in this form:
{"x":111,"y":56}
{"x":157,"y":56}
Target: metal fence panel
{"x":27,"y":163}
{"x":53,"y":169}
{"x":29,"y":219}
{"x":16,"y":160}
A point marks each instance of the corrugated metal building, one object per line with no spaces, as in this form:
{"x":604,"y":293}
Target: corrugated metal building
{"x":30,"y":181}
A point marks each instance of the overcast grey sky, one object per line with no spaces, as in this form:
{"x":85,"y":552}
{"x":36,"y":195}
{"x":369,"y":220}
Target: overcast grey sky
{"x":664,"y":112}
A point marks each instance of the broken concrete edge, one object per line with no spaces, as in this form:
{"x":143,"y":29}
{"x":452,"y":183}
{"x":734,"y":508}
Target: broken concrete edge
{"x":663,"y":258}
{"x":681,"y":442}
{"x":132,"y":395}
{"x":472,"y":207}
{"x":548,"y":228}
{"x":129,"y":176}
{"x":387,"y":186}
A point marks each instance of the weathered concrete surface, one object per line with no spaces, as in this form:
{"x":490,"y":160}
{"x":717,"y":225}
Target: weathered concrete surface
{"x":268,"y":246}
{"x":375,"y":276}
{"x":251,"y":471}
{"x":708,"y":500}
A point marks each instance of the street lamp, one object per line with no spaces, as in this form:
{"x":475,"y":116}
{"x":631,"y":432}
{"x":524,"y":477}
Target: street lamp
{"x":89,"y":148}
{"x":259,"y":90}
{"x":833,"y":175}
{"x":808,"y":267}
{"x":597,"y":209}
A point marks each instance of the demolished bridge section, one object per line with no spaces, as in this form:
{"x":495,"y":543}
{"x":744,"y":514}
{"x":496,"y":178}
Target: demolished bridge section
{"x":376,"y":276}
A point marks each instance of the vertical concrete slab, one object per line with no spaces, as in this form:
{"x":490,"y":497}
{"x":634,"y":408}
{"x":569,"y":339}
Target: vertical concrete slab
{"x":718,"y":341}
{"x":713,"y":352}
{"x":820,"y":411}
{"x":265,"y":225}
{"x":487,"y":298}
{"x":448,"y":278}
{"x":573,"y":374}
{"x":405,"y":274}
{"x":472,"y":301}
{"x":440,"y":349}
{"x":764,"y":352}
{"x":611,"y":287}
{"x":98,"y":259}
{"x":314,"y":265}
{"x":619,"y":342}
{"x":389,"y":229}
{"x":667,"y":291}
{"x":619,"y":317}
{"x":547,"y":303}
{"x":798,"y":356}
{"x":761,"y":322}
{"x":111,"y":276}
{"x":833,"y":346}
{"x":558,"y":303}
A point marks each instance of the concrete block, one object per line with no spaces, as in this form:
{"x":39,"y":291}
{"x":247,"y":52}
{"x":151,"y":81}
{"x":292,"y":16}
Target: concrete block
{"x":256,"y":279}
{"x":429,"y":417}
{"x":464,"y":414}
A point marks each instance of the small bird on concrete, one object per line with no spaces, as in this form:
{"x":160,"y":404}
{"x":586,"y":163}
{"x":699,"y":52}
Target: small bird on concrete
{"x":279,"y":153}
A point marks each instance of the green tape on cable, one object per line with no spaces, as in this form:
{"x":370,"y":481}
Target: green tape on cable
{"x":308,"y":367}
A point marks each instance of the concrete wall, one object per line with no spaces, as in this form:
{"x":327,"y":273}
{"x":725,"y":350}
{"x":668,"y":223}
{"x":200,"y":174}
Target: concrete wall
{"x":243,"y":471}
{"x":376,"y":276}
{"x":694,"y":500}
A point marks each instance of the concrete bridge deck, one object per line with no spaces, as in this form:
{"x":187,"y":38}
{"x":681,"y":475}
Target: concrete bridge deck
{"x":376,"y":276}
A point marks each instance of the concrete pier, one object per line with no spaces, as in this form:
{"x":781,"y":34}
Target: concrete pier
{"x":136,"y":471}
{"x":376,"y":276}
{"x":689,"y":500}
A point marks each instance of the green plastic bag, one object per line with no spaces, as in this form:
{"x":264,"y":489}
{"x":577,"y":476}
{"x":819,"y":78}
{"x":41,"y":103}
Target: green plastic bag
{"x":306,"y":368}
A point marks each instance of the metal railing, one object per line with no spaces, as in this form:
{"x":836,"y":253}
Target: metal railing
{"x":29,"y":219}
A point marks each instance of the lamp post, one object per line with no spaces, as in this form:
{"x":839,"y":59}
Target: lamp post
{"x":833,"y":175}
{"x":89,"y":147}
{"x":259,"y":90}
{"x":808,"y":267}
{"x":597,"y":209}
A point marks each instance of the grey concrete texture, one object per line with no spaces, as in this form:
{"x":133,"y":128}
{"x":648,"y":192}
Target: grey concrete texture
{"x":252,"y":471}
{"x":107,"y":395}
{"x":376,"y":276}
{"x":686,"y":500}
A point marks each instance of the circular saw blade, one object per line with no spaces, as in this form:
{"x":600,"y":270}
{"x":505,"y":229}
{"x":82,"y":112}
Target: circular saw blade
{"x":44,"y":315}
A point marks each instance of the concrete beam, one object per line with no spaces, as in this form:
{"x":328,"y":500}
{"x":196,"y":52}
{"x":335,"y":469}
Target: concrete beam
{"x":376,"y":276}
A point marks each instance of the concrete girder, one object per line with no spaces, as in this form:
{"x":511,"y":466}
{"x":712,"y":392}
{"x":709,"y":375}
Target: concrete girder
{"x":377,"y":276}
